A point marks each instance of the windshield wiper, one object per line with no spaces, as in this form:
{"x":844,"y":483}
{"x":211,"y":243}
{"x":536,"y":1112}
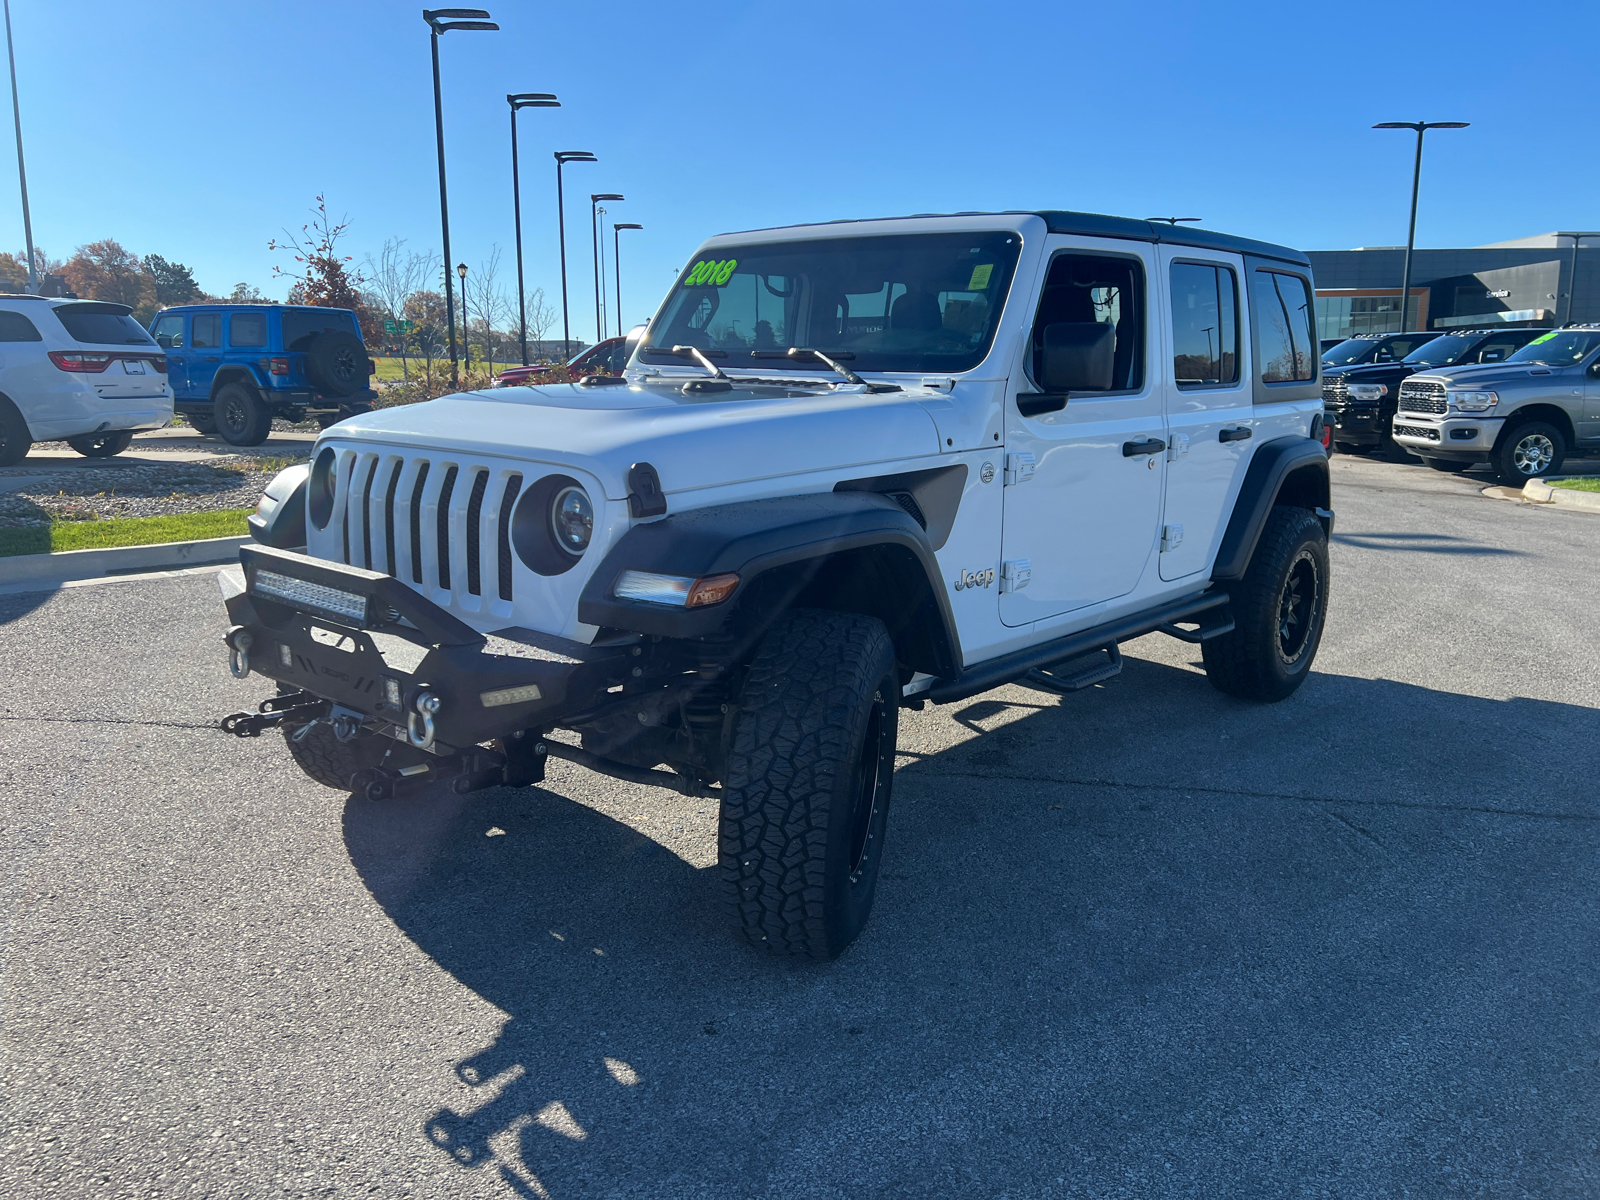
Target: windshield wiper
{"x":701,"y":358}
{"x":803,"y":353}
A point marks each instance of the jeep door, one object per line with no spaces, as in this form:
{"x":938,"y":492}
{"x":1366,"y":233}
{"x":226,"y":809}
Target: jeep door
{"x":1209,"y":401}
{"x":204,"y":353}
{"x":168,"y":333}
{"x":1084,"y":522}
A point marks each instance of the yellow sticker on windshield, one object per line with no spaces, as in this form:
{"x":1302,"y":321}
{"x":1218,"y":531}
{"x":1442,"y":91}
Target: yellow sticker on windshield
{"x":980,"y":277}
{"x":710,"y":273}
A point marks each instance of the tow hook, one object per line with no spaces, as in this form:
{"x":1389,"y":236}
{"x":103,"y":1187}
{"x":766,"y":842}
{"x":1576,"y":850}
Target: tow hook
{"x":425,"y":707}
{"x":238,"y":641}
{"x":275,"y":710}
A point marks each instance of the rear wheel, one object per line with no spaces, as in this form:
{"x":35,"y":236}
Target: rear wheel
{"x":15,"y":441}
{"x":102,"y":445}
{"x":1278,"y":610}
{"x":806,"y":791}
{"x":1528,"y":451}
{"x":240,"y":417}
{"x":203,"y":423}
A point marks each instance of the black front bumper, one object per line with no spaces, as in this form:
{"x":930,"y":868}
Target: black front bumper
{"x":1359,"y":426}
{"x":378,"y":666}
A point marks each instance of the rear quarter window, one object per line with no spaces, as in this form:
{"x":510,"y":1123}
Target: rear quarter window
{"x":14,"y":327}
{"x":300,"y":325}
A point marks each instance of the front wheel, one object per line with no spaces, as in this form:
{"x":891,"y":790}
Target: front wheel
{"x":102,"y":445}
{"x":809,"y":776}
{"x":1529,"y":451}
{"x":1279,"y":608}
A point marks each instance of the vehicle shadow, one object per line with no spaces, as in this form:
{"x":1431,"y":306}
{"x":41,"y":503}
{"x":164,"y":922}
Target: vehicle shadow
{"x":1138,"y":925}
{"x":1425,"y":543}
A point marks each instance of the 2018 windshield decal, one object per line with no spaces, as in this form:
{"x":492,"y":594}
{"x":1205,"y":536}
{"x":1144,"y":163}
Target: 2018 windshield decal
{"x":711,"y":273}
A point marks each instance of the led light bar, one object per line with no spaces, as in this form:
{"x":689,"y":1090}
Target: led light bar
{"x":300,"y":593}
{"x":510,"y":695}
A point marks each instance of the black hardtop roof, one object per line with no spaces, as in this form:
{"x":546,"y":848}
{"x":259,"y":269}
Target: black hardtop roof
{"x":259,"y":304}
{"x":1100,"y":225}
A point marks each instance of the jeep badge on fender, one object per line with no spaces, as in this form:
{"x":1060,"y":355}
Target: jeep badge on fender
{"x":724,"y":572}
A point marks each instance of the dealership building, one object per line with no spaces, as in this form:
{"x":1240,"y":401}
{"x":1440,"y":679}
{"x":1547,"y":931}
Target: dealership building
{"x":1549,"y":279}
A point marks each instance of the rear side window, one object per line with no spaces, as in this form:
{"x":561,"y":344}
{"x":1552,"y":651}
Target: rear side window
{"x":247,"y":329}
{"x":1205,"y":325}
{"x":1284,"y":338}
{"x":101,"y":325}
{"x":301,"y":324}
{"x":206,"y":331}
{"x":1100,"y":288}
{"x":14,"y":327}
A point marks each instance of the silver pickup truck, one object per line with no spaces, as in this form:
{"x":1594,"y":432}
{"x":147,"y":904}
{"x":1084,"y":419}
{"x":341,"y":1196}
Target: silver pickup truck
{"x":1523,"y":415}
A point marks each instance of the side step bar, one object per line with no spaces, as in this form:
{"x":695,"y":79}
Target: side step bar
{"x":981,"y":677}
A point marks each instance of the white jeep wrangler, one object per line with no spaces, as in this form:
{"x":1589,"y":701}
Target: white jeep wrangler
{"x":851,"y":468}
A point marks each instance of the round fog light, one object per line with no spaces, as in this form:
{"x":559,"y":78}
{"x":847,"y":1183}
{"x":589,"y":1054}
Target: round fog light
{"x":572,"y":520}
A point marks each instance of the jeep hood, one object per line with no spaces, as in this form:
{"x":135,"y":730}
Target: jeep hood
{"x":693,"y":441}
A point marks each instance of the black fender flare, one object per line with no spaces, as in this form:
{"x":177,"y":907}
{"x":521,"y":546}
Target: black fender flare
{"x":1288,"y":470}
{"x":280,"y":518}
{"x":237,"y":373}
{"x":851,"y":551}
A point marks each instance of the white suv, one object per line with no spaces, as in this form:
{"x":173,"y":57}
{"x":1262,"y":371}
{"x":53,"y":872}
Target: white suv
{"x":851,"y":468}
{"x":79,"y":370}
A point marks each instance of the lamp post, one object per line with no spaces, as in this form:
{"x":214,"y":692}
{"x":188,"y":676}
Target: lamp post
{"x":616,"y":259}
{"x":519,"y":101}
{"x":594,"y":233}
{"x":1421,"y":127}
{"x":466,"y":329}
{"x":22,"y":173}
{"x":1572,"y":275}
{"x":563,"y":157}
{"x":443,"y":20}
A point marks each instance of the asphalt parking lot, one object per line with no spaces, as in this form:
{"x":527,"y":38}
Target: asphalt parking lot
{"x":1139,"y":941}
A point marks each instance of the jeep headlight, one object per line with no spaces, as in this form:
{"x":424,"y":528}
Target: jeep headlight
{"x":1368,"y":391}
{"x":572,"y":520}
{"x":1471,"y":401}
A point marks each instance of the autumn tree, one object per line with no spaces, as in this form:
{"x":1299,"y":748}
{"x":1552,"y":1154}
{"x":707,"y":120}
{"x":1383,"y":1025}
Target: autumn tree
{"x":104,"y":270}
{"x":174,"y":282}
{"x":319,"y":276}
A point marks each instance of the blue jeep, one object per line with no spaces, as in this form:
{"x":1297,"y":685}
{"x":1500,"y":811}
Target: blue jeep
{"x":233,"y":367}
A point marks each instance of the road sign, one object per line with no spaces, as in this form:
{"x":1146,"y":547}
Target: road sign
{"x":388,"y":327}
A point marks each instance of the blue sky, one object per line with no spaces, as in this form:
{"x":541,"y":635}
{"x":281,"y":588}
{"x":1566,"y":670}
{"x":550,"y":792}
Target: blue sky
{"x":196,"y":130}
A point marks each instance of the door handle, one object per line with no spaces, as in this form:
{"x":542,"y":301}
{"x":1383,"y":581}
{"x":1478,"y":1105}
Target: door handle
{"x":212,"y":358}
{"x":1233,"y":435}
{"x":1147,"y":446}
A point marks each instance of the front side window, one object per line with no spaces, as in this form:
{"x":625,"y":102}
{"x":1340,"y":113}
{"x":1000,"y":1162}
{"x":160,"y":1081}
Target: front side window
{"x":911,"y":302}
{"x":247,"y":329}
{"x":1205,"y":325}
{"x":171,"y":327}
{"x":207,"y":331}
{"x":1559,"y":348}
{"x":1283,"y":328}
{"x":1101,"y":288}
{"x":14,"y":327}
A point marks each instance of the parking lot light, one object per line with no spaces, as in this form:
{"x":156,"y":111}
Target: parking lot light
{"x":616,"y":259}
{"x":518,"y":101}
{"x":1421,"y":127}
{"x":595,"y":199}
{"x":563,"y":157}
{"x":443,"y":20}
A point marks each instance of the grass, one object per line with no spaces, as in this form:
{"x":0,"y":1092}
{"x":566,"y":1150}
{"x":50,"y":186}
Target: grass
{"x":1590,"y":483}
{"x":123,"y":531}
{"x":390,"y":370}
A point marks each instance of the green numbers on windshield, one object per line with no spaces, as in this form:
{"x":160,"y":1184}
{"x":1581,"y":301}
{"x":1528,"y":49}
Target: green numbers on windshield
{"x":711,"y":273}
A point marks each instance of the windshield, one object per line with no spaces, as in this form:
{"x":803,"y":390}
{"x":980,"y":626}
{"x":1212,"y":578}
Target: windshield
{"x":1353,"y":351}
{"x":911,"y":302}
{"x":1388,"y":349}
{"x":1559,"y":348}
{"x":1441,"y":351}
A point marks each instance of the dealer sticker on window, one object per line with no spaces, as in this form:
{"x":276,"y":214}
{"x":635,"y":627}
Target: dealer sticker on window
{"x":980,"y":277}
{"x":711,"y":273}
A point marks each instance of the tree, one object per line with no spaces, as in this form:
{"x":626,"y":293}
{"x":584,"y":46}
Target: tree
{"x":321,"y":278}
{"x":13,"y":272}
{"x":393,"y":279}
{"x":103,"y":270}
{"x":174,"y":283}
{"x":486,"y":305}
{"x":244,"y":293}
{"x":541,"y":316}
{"x":425,"y":310}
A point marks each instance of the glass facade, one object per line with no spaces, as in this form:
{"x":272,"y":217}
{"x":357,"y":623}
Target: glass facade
{"x":1346,"y":316}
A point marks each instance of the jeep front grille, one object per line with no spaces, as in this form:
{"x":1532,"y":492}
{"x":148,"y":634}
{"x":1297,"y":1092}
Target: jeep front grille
{"x":1417,"y":431}
{"x":1422,"y":395}
{"x":430,"y":524}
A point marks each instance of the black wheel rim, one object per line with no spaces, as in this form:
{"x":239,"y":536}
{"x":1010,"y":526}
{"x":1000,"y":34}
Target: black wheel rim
{"x":233,"y":415}
{"x":867,"y":794}
{"x":344,"y":366}
{"x":1297,"y":607}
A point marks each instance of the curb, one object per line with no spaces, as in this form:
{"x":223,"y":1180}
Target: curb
{"x":1540,"y":492}
{"x":48,"y":570}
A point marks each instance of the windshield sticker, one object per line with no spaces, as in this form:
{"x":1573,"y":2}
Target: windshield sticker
{"x":980,"y":277}
{"x":1545,"y":338}
{"x":711,"y":273}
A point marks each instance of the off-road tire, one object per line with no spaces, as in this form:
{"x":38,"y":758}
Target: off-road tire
{"x":102,"y":445}
{"x":336,"y":363}
{"x":204,"y":424}
{"x":331,"y":762}
{"x":1279,"y":609}
{"x":1528,"y":451}
{"x":327,"y":420}
{"x":15,"y":440}
{"x":241,"y":419}
{"x":807,"y":787}
{"x":1451,"y":466}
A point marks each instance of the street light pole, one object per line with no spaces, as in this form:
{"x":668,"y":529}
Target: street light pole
{"x":594,"y":234}
{"x":22,"y":172}
{"x":466,"y":329}
{"x":1572,"y":275}
{"x":616,"y":259}
{"x":1421,"y":127}
{"x":518,"y":101}
{"x":443,"y":20}
{"x":563,"y":157}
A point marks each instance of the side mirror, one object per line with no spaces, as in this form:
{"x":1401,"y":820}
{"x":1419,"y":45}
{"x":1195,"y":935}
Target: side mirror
{"x":164,"y":341}
{"x":1078,"y":356}
{"x":1594,"y":369}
